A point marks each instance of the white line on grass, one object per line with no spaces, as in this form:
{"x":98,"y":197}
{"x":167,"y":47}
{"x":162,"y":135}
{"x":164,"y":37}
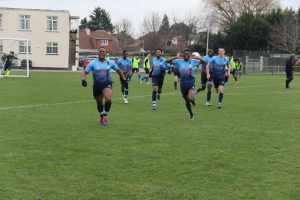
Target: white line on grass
{"x":134,"y":97}
{"x":71,"y":102}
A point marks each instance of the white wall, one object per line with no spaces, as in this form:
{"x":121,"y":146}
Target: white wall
{"x":38,"y":35}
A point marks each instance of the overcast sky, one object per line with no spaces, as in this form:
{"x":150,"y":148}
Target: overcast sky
{"x":134,"y":10}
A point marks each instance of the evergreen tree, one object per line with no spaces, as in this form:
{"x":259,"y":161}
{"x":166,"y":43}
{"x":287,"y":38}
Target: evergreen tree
{"x":100,"y":20}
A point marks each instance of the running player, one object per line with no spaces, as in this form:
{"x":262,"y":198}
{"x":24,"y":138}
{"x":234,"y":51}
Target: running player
{"x":135,"y":66}
{"x":102,"y":88}
{"x":125,"y":65}
{"x":147,"y":68}
{"x":233,"y":70}
{"x":158,"y":71}
{"x":204,"y":80}
{"x":220,"y":70}
{"x":186,"y":69}
{"x":8,"y":63}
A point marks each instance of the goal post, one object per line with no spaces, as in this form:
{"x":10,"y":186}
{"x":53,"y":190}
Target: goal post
{"x":18,"y":67}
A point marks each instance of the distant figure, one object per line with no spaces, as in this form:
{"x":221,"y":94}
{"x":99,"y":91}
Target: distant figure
{"x":8,"y":59}
{"x":135,"y":66}
{"x":289,"y":70}
{"x":147,"y":67}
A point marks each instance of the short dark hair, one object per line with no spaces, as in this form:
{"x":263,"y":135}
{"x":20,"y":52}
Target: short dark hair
{"x":12,"y":52}
{"x":159,"y":49}
{"x":186,"y":50}
{"x":124,"y":51}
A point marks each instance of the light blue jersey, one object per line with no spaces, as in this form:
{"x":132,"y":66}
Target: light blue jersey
{"x":101,"y":70}
{"x":124,"y":64}
{"x":219,"y":65}
{"x":208,"y":59}
{"x":186,"y":69}
{"x":159,"y":66}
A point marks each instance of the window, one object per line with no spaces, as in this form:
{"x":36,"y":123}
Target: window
{"x":52,"y":48}
{"x":23,"y":47}
{"x":1,"y":46}
{"x":0,"y":20}
{"x":104,"y":42}
{"x":24,"y":22}
{"x":52,"y":23}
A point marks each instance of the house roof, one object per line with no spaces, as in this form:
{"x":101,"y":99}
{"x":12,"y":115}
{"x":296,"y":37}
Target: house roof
{"x":86,"y":36}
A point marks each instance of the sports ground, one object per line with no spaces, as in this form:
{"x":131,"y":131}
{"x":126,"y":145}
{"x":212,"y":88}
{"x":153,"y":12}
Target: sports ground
{"x":52,"y":146}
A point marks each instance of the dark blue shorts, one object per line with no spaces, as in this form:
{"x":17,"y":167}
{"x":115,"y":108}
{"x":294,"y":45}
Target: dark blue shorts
{"x":289,"y":73}
{"x":185,"y":87}
{"x":176,"y":72}
{"x":158,"y":81}
{"x":7,"y":65}
{"x":204,"y":78}
{"x":147,"y":71}
{"x":135,"y":70}
{"x":99,"y":87}
{"x":219,"y":81}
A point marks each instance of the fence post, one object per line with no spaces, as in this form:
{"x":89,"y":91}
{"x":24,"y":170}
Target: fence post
{"x":261,"y":63}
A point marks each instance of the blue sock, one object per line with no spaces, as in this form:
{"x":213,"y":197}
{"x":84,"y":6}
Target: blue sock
{"x":147,"y":79}
{"x":220,"y":97}
{"x":139,"y":76}
{"x":208,"y":96}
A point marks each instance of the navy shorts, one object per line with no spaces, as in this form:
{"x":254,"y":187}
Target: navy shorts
{"x":7,"y":66}
{"x":176,"y":72}
{"x":185,"y":87}
{"x":135,"y":70}
{"x":219,"y":81}
{"x":99,"y":87}
{"x":158,"y":81}
{"x":147,"y":71}
{"x":204,"y":78}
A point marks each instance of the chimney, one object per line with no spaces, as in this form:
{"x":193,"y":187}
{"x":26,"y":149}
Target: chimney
{"x":88,"y":31}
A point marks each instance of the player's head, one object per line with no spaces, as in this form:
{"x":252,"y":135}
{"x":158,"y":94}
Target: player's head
{"x":148,"y":53}
{"x":12,"y":52}
{"x":221,"y":52}
{"x":102,"y":53}
{"x":210,"y":52}
{"x":292,"y":57}
{"x":125,"y":53}
{"x":158,"y":52}
{"x":186,"y":54}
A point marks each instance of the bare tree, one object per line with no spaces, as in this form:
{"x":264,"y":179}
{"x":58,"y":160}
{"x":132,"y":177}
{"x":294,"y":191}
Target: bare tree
{"x":150,"y":29}
{"x":286,"y":33}
{"x":226,"y":12}
{"x":123,"y":33}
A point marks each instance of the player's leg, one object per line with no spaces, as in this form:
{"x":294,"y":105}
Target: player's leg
{"x":175,"y":81}
{"x":107,"y":95}
{"x":139,"y":75}
{"x":97,"y":92}
{"x":188,"y":93}
{"x":160,"y":85}
{"x":203,"y":83}
{"x":221,"y":93}
{"x":154,"y":92}
{"x":209,"y":88}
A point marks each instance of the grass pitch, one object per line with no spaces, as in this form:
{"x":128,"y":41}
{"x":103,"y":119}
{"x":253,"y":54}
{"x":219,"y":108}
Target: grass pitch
{"x":52,"y":146}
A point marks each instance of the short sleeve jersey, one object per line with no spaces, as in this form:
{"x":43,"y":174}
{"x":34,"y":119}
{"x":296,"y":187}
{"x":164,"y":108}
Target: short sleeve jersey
{"x":101,"y":70}
{"x":186,"y":69}
{"x":124,"y":64}
{"x":159,"y":66}
{"x":218,"y":66}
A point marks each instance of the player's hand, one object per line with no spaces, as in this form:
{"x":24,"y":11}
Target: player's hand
{"x":83,"y":83}
{"x":208,"y":76}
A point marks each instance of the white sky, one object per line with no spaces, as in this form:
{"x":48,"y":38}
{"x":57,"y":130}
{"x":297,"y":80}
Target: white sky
{"x":134,"y":10}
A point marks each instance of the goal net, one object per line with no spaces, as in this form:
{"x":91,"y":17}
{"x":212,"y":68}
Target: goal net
{"x":14,"y":57}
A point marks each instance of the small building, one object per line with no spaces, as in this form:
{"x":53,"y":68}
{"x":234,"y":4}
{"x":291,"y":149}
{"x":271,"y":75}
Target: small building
{"x":91,"y":41}
{"x":51,"y":37}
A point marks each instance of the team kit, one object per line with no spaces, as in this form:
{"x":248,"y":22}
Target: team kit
{"x":215,"y":72}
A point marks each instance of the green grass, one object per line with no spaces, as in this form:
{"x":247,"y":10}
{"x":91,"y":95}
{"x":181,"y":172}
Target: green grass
{"x":55,"y":148}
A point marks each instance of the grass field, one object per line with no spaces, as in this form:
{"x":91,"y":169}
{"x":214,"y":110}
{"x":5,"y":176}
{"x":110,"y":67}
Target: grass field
{"x":52,"y":147}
